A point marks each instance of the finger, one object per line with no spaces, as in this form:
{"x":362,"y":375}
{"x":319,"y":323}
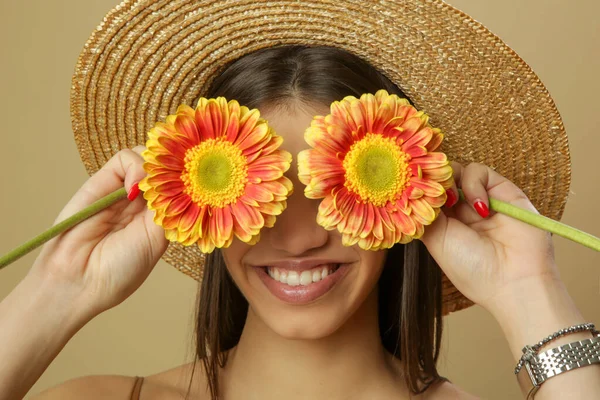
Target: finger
{"x":478,"y":181}
{"x":124,"y":169}
{"x":440,"y":242}
{"x":139,"y":149}
{"x":461,"y":210}
{"x":452,"y":192}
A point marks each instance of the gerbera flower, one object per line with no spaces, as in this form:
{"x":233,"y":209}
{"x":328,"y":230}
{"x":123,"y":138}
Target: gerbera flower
{"x":373,"y":162}
{"x":215,"y":172}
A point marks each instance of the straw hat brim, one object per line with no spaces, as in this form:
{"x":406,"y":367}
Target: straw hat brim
{"x":149,"y":56}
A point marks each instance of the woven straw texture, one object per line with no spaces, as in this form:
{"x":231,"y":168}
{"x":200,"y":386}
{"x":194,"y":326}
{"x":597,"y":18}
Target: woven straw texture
{"x":147,"y":57}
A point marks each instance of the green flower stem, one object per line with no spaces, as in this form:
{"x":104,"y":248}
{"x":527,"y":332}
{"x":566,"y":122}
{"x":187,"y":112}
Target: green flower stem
{"x":62,"y":226}
{"x":518,"y":213}
{"x":543,"y":222}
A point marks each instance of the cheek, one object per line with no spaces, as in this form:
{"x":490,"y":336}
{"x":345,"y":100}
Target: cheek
{"x":372,"y":264}
{"x":233,"y":258}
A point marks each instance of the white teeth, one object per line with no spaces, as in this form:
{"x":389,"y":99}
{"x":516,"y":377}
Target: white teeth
{"x":305,"y":278}
{"x":293,"y":278}
{"x":316,"y":275}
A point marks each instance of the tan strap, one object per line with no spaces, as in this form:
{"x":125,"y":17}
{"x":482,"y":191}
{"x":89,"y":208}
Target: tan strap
{"x":137,"y":388}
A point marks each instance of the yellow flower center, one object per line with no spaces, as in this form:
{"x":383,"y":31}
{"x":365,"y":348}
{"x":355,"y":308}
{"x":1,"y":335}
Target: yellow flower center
{"x":376,"y":169}
{"x":216,"y":173}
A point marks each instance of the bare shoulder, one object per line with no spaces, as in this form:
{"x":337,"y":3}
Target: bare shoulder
{"x":90,"y":387}
{"x":170,"y":384}
{"x":447,"y":391}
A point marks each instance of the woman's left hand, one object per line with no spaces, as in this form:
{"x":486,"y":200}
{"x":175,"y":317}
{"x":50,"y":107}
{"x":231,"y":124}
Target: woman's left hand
{"x":486,"y":257}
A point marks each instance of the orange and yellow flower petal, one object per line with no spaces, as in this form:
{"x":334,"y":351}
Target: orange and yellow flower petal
{"x":373,"y":163}
{"x":214,"y":173}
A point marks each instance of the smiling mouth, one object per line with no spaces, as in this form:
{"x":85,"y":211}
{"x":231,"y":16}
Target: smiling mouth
{"x":304,"y":278}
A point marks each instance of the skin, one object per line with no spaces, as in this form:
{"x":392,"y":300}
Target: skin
{"x":326,"y":350}
{"x":296,"y":234}
{"x":329,"y":334}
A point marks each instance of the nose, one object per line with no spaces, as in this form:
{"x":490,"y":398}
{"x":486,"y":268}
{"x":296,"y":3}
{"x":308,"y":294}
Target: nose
{"x":296,"y":230}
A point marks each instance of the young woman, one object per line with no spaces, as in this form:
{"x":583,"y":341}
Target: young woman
{"x":373,"y":332}
{"x":360,"y":324}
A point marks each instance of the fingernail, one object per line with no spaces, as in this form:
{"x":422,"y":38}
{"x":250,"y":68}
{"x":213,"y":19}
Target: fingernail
{"x":133,"y":192}
{"x":481,"y":208}
{"x":451,"y":198}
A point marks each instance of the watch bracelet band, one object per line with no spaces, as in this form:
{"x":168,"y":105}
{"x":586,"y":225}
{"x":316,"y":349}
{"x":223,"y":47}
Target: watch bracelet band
{"x":529,"y":351}
{"x":537,"y":368}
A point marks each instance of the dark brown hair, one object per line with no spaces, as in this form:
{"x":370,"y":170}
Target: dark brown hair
{"x":410,"y":294}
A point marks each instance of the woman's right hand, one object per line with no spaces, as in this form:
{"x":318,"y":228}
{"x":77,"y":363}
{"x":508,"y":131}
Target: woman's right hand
{"x":108,"y":256}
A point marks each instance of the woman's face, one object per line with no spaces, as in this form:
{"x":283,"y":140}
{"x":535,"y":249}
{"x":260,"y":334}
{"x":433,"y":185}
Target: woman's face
{"x":298,"y":278}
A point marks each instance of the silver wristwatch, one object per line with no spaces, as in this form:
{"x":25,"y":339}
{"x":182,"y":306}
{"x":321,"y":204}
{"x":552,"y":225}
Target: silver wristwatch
{"x":539,"y":367}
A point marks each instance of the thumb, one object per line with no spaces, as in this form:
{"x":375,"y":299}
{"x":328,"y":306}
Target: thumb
{"x":447,"y":236}
{"x":124,"y":169}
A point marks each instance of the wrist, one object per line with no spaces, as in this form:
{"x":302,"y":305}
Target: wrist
{"x":60,"y":300}
{"x":533,"y":310}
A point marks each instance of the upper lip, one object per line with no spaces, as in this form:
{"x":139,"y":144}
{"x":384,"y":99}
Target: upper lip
{"x":300,"y":264}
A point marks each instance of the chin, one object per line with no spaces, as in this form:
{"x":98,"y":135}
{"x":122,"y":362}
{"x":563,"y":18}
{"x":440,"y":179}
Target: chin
{"x":316,"y":322}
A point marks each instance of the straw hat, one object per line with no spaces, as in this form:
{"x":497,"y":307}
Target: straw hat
{"x":149,"y":56}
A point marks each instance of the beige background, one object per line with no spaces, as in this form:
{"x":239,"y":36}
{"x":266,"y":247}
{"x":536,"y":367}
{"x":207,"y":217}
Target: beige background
{"x":150,"y":332}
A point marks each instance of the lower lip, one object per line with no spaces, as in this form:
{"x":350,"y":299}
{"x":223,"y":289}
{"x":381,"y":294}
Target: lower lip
{"x":301,"y":294}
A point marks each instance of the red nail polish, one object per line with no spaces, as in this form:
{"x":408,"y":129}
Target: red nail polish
{"x":451,"y":198}
{"x":481,"y":209}
{"x":133,"y":192}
